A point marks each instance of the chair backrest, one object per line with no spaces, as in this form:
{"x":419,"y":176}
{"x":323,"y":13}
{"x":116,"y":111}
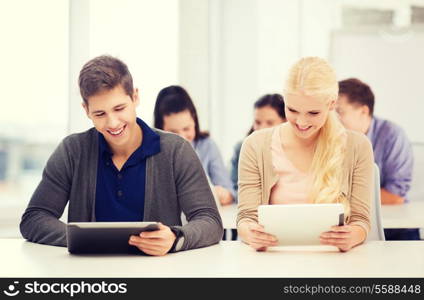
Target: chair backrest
{"x":377,"y":232}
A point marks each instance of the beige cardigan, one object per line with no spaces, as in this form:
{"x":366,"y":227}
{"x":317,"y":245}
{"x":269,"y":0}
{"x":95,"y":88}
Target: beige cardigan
{"x":257,"y":176}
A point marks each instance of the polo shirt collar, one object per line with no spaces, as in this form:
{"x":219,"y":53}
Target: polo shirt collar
{"x":149,"y":146}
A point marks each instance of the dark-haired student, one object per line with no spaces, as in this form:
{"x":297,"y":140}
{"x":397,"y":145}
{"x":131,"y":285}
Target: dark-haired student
{"x":392,"y":149}
{"x":122,"y":170}
{"x":268,"y":111}
{"x":175,"y":112}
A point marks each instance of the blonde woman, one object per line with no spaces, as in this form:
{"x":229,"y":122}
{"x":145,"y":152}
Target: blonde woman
{"x":309,"y":159}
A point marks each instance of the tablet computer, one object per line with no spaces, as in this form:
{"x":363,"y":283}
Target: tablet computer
{"x":300,"y":224}
{"x":105,"y":237}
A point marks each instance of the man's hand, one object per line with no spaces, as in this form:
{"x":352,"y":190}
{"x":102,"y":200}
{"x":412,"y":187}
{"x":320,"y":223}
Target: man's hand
{"x":388,"y":198}
{"x":344,"y":237}
{"x":224,"y":195}
{"x":157,"y":242}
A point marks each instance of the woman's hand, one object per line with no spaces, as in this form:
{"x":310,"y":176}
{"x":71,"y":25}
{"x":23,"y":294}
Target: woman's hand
{"x":344,"y":237}
{"x":255,"y":235}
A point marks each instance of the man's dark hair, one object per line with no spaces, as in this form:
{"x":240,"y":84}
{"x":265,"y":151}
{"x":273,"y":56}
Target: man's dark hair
{"x":357,"y":92}
{"x":174,"y":99}
{"x":104,"y":73}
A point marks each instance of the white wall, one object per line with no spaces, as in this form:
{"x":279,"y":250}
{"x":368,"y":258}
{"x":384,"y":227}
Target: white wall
{"x":194,"y":61}
{"x":34,"y":92}
{"x":317,"y":20}
{"x":252,"y":45}
{"x":236,"y":76}
{"x":253,"y":42}
{"x":143,"y":33}
{"x":278,"y":44}
{"x":392,"y":66}
{"x":33,"y":77}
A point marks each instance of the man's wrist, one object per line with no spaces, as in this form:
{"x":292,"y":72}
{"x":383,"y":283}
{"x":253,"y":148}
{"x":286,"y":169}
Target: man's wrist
{"x":179,"y":239}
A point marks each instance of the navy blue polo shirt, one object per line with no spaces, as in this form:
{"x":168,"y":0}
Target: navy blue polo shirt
{"x":120,"y":194}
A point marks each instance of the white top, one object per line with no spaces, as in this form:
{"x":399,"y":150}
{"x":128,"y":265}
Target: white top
{"x":228,"y":259}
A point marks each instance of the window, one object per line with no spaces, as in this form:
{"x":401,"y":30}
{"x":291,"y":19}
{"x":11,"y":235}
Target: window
{"x":34,"y":98}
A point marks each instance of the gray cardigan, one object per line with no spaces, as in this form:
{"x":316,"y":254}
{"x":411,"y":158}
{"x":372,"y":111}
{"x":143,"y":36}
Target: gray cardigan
{"x":175,"y":183}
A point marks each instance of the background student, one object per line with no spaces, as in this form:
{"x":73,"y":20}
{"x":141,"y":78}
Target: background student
{"x":392,"y":149}
{"x":268,"y":111}
{"x":311,"y":158}
{"x":122,"y":170}
{"x":175,"y":112}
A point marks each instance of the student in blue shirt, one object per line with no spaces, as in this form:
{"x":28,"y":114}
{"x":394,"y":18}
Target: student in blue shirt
{"x":175,"y":112}
{"x":122,"y":170}
{"x":392,"y":148}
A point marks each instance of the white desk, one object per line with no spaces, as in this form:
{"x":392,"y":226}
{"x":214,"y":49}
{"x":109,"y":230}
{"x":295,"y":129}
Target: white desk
{"x":409,"y":215}
{"x":229,"y":215}
{"x":228,"y":259}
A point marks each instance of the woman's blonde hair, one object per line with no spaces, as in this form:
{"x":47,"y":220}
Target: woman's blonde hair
{"x":313,"y":76}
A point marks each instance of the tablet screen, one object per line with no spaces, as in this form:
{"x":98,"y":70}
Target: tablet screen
{"x":105,"y":237}
{"x":299,"y":224}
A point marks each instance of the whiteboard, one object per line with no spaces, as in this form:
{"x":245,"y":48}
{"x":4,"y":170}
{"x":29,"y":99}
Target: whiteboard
{"x":393,"y":65}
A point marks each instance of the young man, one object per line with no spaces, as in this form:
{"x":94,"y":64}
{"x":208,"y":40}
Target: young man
{"x":392,"y":149}
{"x":122,"y":170}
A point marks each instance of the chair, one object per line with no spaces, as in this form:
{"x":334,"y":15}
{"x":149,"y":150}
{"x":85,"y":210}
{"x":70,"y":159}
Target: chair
{"x":377,"y":232}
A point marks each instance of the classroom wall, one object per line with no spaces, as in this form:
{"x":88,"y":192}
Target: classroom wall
{"x":34,"y":65}
{"x":249,"y":53}
{"x":226,"y":52}
{"x":143,"y":33}
{"x":194,"y":59}
{"x":252,"y":44}
{"x":392,"y":64}
{"x":44,"y":45}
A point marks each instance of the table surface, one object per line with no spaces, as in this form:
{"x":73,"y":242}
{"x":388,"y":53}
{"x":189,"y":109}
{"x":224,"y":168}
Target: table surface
{"x":410,"y":215}
{"x":228,"y":259}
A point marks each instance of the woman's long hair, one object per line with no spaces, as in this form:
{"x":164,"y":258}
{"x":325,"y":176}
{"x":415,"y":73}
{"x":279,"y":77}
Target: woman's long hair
{"x":313,"y":76}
